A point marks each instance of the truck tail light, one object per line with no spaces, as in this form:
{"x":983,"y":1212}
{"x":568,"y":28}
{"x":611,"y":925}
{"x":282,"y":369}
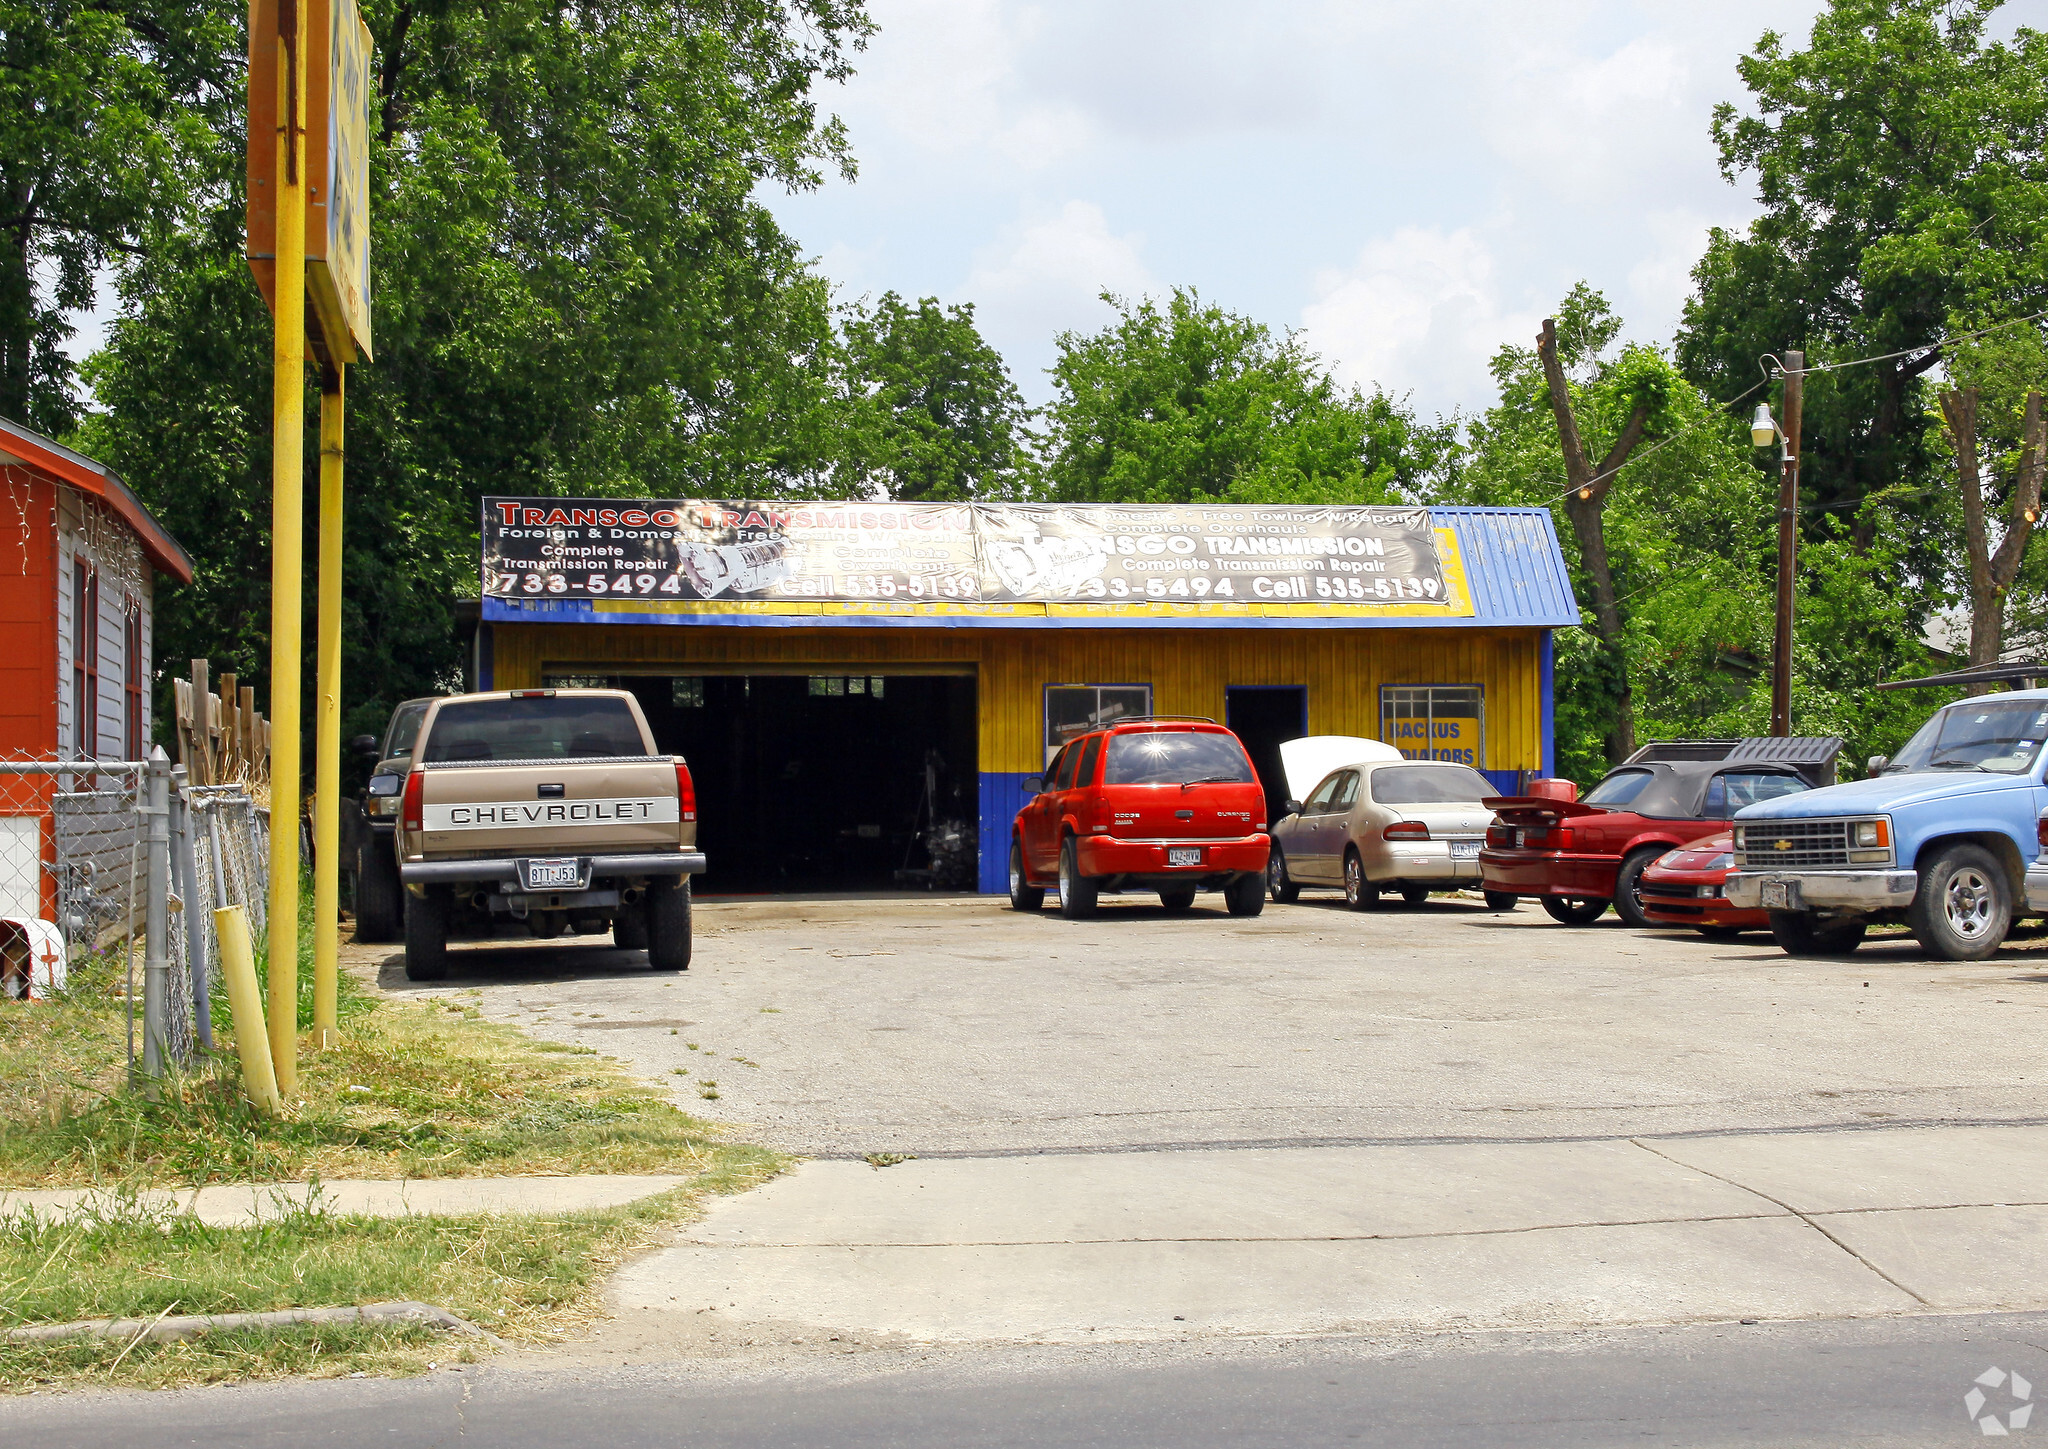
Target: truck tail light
{"x":686,"y":792}
{"x":2041,"y":830}
{"x":1405,"y":830}
{"x":531,"y":693}
{"x":413,"y":813}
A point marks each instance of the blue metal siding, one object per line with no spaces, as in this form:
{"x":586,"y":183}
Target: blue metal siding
{"x":1002,"y":796}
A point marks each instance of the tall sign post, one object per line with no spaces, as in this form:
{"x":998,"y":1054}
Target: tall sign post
{"x":309,"y":249}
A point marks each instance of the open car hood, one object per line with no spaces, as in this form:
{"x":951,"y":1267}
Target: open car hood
{"x":1308,"y":759}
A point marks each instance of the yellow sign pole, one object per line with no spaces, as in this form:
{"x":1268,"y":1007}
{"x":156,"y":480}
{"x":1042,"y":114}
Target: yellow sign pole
{"x":287,"y":487}
{"x":327,"y":720}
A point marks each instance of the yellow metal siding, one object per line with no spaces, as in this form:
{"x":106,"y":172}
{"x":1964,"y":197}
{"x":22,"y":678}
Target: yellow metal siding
{"x":1188,"y":669}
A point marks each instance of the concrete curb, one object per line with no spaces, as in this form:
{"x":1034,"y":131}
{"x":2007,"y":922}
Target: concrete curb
{"x":166,"y":1328}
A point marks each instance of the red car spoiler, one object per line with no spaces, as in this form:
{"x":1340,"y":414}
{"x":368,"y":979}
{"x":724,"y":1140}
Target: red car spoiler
{"x":1523,"y":809}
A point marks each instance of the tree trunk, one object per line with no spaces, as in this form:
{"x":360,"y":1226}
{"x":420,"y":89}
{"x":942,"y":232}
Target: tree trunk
{"x":1584,"y":506}
{"x":1991,"y":575}
{"x":17,"y":318}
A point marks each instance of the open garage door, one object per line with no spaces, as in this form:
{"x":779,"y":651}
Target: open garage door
{"x":824,"y":782}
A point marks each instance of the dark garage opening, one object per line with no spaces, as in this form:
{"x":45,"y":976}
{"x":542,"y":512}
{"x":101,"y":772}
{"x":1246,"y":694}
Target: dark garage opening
{"x":1266,"y":717}
{"x":824,"y":782}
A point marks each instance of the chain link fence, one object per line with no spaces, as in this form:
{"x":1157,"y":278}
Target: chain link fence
{"x":124,"y":858}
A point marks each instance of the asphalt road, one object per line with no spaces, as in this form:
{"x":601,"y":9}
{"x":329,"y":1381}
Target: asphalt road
{"x":1901,"y":1382}
{"x":956,"y":1026}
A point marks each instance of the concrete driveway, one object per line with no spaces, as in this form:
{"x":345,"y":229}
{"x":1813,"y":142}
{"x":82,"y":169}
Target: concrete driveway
{"x":1146,"y":1126}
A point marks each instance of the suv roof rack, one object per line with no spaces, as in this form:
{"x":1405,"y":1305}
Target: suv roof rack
{"x":1157,"y":719}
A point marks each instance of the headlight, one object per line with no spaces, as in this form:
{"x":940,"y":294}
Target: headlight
{"x":386,"y":784}
{"x":1870,"y":834}
{"x":1738,"y":837}
{"x":1724,"y":861}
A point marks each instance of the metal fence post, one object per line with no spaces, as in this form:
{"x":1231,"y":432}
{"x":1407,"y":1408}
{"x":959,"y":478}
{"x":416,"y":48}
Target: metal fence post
{"x":185,"y":875}
{"x":156,"y":959}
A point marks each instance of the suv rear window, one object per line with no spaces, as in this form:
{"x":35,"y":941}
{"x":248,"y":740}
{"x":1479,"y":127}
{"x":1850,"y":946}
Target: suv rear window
{"x":533,"y":729}
{"x":1429,"y":785}
{"x":1175,"y":757}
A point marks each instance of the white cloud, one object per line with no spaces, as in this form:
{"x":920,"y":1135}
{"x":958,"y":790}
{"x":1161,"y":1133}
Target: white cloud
{"x":1421,"y":311}
{"x":1047,"y":275}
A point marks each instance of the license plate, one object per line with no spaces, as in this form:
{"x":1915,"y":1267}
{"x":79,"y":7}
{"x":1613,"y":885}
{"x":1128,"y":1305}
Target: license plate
{"x":1781,"y":895}
{"x":547,"y":874}
{"x":1184,"y":855}
{"x":1464,"y":850}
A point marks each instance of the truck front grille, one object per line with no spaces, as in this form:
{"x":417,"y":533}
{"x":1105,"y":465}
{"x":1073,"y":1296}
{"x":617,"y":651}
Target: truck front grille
{"x":1795,"y":844}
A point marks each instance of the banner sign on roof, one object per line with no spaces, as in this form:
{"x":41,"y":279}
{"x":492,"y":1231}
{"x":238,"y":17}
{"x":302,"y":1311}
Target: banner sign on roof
{"x":701,"y":557}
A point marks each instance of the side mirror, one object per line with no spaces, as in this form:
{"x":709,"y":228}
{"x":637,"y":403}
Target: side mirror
{"x":1876,"y":763}
{"x":1034,"y":784}
{"x":364,"y":745}
{"x":1292,"y":807}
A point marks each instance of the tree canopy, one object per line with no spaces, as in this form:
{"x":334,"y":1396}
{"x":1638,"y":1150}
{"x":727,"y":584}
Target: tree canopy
{"x":116,"y":121}
{"x":1898,"y":160}
{"x":931,"y":414}
{"x":1192,"y":402}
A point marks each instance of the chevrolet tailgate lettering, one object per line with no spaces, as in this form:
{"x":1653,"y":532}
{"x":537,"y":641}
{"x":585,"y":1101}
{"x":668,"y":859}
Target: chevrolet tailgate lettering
{"x":540,"y":814}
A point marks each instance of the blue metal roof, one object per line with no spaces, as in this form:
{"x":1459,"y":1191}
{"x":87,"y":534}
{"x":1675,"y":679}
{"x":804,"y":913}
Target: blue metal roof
{"x":1514,"y":565}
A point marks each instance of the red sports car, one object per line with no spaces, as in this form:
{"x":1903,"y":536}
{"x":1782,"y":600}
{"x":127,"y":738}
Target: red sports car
{"x":1577,"y":857}
{"x":1684,"y":889}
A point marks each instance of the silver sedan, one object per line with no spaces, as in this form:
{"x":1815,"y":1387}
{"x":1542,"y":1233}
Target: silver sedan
{"x":1403,"y":825}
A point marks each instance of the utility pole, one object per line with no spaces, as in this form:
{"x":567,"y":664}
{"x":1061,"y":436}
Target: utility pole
{"x":1788,"y":547}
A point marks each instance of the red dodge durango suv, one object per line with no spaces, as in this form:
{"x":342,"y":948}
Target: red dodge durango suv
{"x":1171,"y":806}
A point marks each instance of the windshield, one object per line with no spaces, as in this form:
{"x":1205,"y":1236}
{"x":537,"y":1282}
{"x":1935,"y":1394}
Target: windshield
{"x":567,"y":727}
{"x":1979,"y":734}
{"x":1619,"y":788}
{"x":1429,"y":785}
{"x":405,"y":728}
{"x":1175,"y":757}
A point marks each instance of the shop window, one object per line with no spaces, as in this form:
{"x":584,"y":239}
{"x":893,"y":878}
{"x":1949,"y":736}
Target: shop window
{"x":686,"y":693}
{"x":579,"y":681}
{"x":1435,"y":721}
{"x":1075,"y":709}
{"x":837,"y":685}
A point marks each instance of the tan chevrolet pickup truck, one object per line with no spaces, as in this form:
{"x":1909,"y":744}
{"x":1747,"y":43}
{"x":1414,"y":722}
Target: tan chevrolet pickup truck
{"x":548,"y":807}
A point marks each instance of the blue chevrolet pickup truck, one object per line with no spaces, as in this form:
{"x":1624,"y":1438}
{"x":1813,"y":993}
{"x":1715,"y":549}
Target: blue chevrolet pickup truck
{"x":1941,"y":836}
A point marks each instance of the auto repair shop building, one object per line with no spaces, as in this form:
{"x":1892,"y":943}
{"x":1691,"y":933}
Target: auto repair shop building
{"x":844,"y":676}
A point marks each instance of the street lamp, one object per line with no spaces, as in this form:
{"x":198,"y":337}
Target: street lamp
{"x":1762,"y":429}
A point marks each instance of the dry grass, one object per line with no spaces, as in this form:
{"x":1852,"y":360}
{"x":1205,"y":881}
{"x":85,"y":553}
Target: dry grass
{"x":415,"y":1090}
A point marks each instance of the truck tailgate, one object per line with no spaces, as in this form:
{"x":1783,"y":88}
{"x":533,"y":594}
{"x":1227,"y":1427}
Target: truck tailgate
{"x":499,"y":808}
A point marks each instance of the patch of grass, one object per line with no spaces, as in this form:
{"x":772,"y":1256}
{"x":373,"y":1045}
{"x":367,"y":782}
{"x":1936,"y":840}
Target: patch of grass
{"x":518,"y":1277}
{"x":323,"y":1352}
{"x":414,"y":1090}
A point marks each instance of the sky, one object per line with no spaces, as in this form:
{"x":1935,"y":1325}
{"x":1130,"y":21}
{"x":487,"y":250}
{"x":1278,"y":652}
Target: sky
{"x":1410,"y":185}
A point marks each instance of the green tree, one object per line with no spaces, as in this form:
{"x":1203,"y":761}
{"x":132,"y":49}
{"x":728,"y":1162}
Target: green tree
{"x":1689,"y":532}
{"x":112,"y":129}
{"x":1193,"y":402}
{"x":931,"y":413}
{"x":576,"y":290}
{"x":1898,"y":161}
